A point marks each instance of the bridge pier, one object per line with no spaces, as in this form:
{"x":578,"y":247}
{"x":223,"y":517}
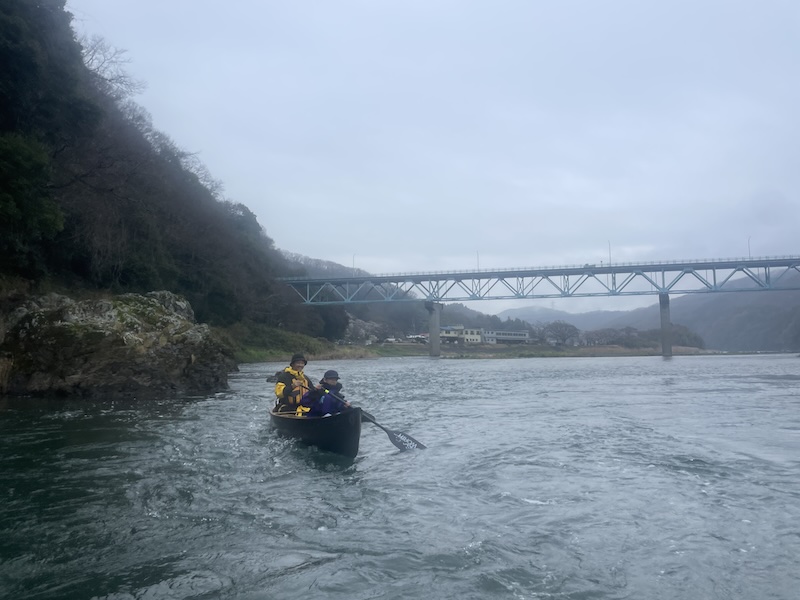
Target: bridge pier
{"x":434,"y":328}
{"x":666,"y":326}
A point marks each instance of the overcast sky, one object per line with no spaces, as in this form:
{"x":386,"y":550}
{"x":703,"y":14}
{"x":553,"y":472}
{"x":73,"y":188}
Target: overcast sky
{"x":419,"y":135}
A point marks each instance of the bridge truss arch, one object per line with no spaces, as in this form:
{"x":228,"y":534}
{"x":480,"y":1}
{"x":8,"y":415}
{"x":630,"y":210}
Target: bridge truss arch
{"x":590,"y":280}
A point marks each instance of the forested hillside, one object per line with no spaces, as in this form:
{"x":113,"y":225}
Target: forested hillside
{"x":736,"y":321}
{"x":92,"y":197}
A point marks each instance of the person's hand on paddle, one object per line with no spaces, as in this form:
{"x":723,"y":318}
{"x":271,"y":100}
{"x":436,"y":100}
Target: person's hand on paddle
{"x":339,"y":397}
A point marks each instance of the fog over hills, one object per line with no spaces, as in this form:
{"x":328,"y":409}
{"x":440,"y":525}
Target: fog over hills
{"x":732,"y":321}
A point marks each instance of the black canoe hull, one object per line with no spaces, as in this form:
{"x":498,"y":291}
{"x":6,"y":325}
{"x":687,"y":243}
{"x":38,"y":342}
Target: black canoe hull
{"x":339,"y":433}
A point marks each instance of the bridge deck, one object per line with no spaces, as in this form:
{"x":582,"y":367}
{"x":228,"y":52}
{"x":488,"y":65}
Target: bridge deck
{"x":589,"y":280}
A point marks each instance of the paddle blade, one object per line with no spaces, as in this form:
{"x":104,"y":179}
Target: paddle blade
{"x":398,"y":438}
{"x":404,"y":441}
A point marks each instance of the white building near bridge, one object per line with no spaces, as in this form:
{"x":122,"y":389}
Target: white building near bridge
{"x":459,"y":334}
{"x":506,"y":337}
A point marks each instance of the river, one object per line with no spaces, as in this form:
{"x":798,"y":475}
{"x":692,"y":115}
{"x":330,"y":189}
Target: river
{"x":559,"y":478}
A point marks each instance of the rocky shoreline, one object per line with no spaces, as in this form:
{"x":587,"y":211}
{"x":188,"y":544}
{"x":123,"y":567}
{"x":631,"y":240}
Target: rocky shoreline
{"x":145,"y":345}
{"x":131,"y":345}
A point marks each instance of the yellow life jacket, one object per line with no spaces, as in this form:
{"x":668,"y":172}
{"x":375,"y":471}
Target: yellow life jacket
{"x":292,"y":397}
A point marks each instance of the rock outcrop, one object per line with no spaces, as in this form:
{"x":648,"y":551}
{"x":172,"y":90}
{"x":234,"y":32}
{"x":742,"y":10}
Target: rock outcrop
{"x":128,"y":345}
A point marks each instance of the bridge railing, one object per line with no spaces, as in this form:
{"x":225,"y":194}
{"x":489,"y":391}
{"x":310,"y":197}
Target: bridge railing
{"x":603,"y":266}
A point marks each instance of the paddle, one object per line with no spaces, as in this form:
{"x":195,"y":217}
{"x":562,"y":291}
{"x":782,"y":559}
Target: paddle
{"x":398,"y":438}
{"x":401,"y":440}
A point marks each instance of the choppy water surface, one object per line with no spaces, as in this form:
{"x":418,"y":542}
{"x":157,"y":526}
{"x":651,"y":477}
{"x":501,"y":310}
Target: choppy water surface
{"x":544,"y":478}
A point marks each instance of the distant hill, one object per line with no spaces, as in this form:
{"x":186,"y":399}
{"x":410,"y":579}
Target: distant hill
{"x":730,"y":321}
{"x":736,"y":321}
{"x":588,"y":321}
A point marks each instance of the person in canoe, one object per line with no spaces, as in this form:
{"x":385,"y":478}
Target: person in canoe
{"x":291,"y":384}
{"x":322,"y":399}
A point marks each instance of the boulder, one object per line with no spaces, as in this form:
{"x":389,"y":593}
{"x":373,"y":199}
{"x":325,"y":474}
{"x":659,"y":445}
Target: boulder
{"x":123,"y":346}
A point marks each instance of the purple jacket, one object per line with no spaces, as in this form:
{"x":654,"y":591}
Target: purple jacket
{"x":322,"y":403}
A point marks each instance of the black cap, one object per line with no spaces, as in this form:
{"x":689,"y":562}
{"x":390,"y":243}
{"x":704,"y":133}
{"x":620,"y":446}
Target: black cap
{"x":331,"y":375}
{"x":298,"y":357}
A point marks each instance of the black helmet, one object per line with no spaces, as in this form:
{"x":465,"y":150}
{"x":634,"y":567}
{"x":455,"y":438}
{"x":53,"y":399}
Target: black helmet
{"x":298,"y":357}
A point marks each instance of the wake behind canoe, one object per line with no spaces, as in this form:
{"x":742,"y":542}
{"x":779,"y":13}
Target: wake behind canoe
{"x":339,"y":433}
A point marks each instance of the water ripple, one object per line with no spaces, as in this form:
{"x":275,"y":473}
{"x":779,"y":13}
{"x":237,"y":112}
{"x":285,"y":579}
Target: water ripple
{"x":543,"y":478}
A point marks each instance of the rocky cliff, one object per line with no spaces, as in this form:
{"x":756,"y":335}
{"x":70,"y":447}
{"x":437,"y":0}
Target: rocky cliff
{"x":129,"y":345}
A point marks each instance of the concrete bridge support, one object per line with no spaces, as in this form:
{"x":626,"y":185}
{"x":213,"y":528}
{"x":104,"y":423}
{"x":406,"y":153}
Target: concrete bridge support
{"x":666,"y":326}
{"x":434,"y":341}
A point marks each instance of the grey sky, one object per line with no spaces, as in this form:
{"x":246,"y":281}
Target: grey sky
{"x":402,"y":135}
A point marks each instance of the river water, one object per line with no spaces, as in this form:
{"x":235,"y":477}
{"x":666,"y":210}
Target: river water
{"x":579,"y":478}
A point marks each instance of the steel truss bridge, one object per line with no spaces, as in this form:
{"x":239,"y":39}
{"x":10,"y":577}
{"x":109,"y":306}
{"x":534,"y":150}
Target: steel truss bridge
{"x":615,"y":279}
{"x":590,"y":280}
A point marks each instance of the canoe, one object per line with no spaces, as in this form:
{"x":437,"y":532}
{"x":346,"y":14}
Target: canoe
{"x":339,"y":433}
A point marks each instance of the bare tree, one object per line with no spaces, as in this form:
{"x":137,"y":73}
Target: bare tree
{"x":107,"y":64}
{"x":561,"y":332}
